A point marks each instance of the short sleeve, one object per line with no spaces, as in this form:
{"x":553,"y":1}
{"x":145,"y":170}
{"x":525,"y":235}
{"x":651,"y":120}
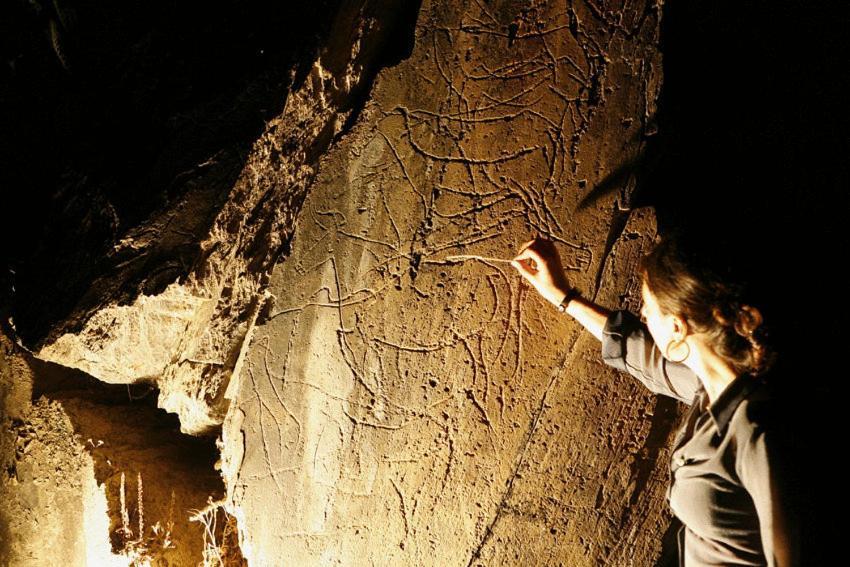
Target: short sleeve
{"x":763,"y":468}
{"x":627,"y":345}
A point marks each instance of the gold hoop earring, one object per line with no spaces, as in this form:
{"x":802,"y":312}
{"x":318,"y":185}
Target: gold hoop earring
{"x":682,"y":342}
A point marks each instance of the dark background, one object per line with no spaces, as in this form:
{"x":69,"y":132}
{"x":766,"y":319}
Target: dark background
{"x":110,"y":113}
{"x":751,"y":161}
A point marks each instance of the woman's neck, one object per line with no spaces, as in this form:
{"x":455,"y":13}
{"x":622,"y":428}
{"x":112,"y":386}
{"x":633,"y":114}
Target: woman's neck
{"x":714,"y":372}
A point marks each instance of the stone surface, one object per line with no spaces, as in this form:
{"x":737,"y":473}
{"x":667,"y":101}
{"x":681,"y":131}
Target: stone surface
{"x":335,"y":300}
{"x":398,"y":404}
{"x":94,"y":476}
{"x":188,"y":336}
{"x":47,"y":485}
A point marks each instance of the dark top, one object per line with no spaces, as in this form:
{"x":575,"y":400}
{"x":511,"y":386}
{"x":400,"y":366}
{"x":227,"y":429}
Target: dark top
{"x":728,"y":475}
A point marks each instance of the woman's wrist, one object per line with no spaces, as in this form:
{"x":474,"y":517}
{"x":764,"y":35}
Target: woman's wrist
{"x":554,"y":295}
{"x":566,"y":298}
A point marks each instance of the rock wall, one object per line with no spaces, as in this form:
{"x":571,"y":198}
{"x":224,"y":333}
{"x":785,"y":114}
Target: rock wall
{"x":173,"y":295}
{"x":94,"y":474}
{"x":327,"y":296}
{"x":405,"y":399}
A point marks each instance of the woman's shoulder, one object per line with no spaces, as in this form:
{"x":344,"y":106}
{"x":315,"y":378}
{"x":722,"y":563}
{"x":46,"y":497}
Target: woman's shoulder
{"x":762,"y":434}
{"x":765,"y":407}
{"x":765,"y":416}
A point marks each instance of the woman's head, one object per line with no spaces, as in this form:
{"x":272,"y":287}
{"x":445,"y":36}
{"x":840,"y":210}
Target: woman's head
{"x":691,"y":288}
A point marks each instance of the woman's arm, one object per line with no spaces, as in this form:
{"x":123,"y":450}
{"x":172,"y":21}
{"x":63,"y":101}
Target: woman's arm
{"x":764,"y":468}
{"x":592,"y":317}
{"x":627,"y":345}
{"x":626,"y":342}
{"x":538,"y":262}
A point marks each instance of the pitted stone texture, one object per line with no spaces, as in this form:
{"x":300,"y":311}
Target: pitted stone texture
{"x":407,"y":399}
{"x":188,"y":338}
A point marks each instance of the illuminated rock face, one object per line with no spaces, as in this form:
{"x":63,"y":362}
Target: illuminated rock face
{"x":91,"y":476}
{"x":398,"y":407}
{"x":187,"y":334}
{"x":385,"y":391}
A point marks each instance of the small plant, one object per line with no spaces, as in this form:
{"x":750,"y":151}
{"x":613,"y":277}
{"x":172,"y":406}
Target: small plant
{"x":224,"y":551}
{"x":141,"y":549}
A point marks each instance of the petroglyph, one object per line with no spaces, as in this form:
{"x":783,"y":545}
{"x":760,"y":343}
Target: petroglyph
{"x":403,"y":351}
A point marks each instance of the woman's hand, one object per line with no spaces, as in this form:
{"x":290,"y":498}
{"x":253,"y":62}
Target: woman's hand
{"x":539,"y":263}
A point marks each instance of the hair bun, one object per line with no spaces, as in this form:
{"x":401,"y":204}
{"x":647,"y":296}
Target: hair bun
{"x":721,"y":314}
{"x":748,"y":320}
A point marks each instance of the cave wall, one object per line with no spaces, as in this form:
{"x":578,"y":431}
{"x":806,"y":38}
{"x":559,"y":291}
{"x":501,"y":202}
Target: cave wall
{"x":322,"y":293}
{"x":94,"y":474}
{"x":173,"y":295}
{"x":404,"y":398}
{"x":46,"y":484}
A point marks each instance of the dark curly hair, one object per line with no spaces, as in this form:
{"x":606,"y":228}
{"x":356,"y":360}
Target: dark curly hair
{"x":697,"y":282}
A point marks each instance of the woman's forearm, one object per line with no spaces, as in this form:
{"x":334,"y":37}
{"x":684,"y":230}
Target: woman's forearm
{"x":590,"y":315}
{"x":538,"y":262}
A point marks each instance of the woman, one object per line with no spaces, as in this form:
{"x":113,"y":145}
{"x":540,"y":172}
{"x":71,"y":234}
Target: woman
{"x":730,"y":486}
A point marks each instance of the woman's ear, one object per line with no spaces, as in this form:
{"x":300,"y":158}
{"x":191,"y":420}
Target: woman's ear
{"x":680,"y":327}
